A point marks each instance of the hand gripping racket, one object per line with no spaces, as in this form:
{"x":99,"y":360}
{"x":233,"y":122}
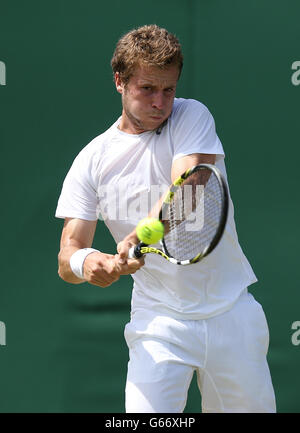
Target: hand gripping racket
{"x":194,"y":214}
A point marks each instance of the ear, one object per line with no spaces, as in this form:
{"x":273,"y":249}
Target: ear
{"x":118,"y":82}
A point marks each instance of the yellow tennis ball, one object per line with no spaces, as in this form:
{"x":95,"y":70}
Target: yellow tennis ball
{"x":150,"y":230}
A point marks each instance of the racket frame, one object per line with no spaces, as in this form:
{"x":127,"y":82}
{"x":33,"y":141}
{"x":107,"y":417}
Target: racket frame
{"x":142,"y":248}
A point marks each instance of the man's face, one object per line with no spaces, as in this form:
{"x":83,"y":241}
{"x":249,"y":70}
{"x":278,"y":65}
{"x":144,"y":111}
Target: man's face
{"x":147,"y":98}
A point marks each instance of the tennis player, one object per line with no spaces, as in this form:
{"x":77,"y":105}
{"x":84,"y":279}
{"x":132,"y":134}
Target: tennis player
{"x":184,"y":319}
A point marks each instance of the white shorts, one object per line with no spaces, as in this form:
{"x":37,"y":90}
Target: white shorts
{"x":227,"y":351}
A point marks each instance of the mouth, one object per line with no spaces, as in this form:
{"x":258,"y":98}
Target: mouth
{"x":157,"y":117}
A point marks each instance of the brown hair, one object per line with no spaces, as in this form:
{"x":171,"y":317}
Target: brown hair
{"x":149,"y":45}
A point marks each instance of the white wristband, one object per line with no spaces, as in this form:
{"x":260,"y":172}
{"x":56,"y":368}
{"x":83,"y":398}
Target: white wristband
{"x":77,"y":259}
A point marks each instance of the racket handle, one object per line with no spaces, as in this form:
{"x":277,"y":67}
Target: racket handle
{"x":131,"y":254}
{"x":135,"y":252}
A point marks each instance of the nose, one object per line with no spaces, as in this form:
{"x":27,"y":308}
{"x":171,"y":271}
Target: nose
{"x":158,"y":100}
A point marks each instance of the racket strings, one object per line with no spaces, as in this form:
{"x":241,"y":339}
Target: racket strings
{"x":193,"y":215}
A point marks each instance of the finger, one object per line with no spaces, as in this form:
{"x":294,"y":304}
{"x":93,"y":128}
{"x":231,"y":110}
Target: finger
{"x":118,"y":265}
{"x":103,"y":276}
{"x":102,"y":280}
{"x":134,"y":264}
{"x":128,"y":268}
{"x":123,"y":253}
{"x":138,"y":262}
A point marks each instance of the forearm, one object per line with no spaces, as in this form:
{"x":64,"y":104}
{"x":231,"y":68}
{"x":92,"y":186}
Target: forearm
{"x":131,"y":238}
{"x":76,"y":234}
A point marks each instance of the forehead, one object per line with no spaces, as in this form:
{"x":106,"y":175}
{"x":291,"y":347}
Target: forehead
{"x":155,"y":75}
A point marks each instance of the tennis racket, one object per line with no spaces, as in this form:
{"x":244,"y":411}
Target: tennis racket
{"x":194,"y":214}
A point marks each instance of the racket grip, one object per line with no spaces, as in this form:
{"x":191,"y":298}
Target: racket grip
{"x":135,"y":252}
{"x":131,"y":254}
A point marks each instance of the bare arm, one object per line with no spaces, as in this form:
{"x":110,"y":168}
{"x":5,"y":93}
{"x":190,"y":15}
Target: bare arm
{"x":99,"y":268}
{"x":179,"y":166}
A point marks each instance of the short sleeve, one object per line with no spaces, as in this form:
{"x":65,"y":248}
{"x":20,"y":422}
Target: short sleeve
{"x":194,"y":130}
{"x":78,"y":198}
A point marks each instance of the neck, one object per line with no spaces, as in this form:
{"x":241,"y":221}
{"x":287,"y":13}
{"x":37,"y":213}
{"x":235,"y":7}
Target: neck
{"x":130,"y":127}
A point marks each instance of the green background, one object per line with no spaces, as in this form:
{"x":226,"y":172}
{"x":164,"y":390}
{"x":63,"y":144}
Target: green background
{"x":65,"y":350}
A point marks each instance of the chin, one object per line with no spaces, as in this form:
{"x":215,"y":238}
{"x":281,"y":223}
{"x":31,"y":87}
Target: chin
{"x":153,"y":124}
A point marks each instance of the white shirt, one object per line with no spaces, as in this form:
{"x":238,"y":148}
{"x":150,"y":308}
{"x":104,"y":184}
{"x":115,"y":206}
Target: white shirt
{"x":117,"y":177}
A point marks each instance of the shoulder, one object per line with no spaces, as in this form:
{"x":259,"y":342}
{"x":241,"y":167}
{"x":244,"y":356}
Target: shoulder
{"x":189,"y":114}
{"x":188,"y":107}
